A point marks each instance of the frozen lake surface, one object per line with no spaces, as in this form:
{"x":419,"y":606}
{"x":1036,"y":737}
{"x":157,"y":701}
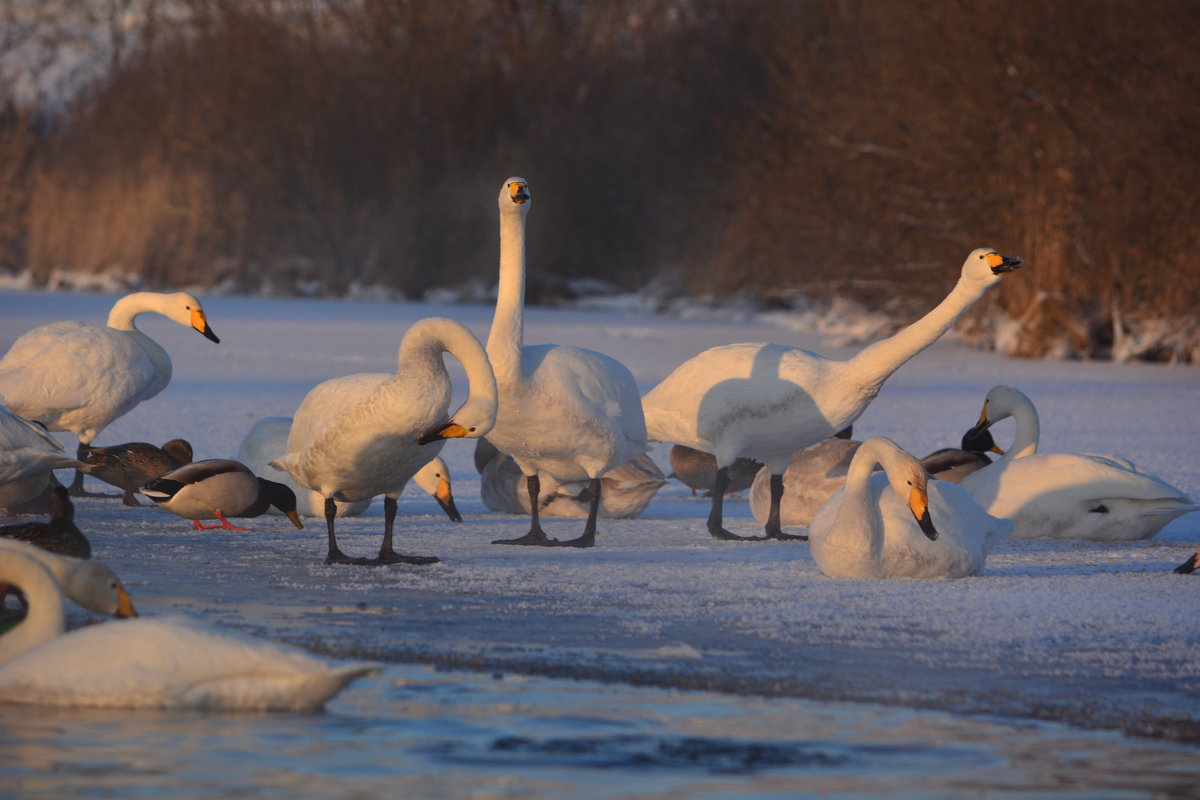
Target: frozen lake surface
{"x":1100,"y":636}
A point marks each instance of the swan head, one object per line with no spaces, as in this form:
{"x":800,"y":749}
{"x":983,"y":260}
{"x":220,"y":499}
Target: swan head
{"x":514,"y":196}
{"x":474,"y":419}
{"x":1001,"y":402}
{"x":909,"y":480}
{"x":985,"y":264}
{"x":97,"y":588}
{"x":186,"y":310}
{"x":434,"y":478}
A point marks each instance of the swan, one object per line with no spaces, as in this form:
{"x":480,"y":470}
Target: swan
{"x":1067,"y":495}
{"x":626,"y":490}
{"x":362,"y":435}
{"x":216,"y":488}
{"x":77,"y":377}
{"x":571,"y":413}
{"x":267,"y":441}
{"x":28,"y":457}
{"x":131,"y":465}
{"x":169,"y":663}
{"x":698,"y":470}
{"x":813,"y":475}
{"x":58,"y":535}
{"x":89,"y":584}
{"x":766,"y":401}
{"x":899,"y":524}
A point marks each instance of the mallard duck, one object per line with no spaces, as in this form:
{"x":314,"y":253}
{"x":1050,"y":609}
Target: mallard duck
{"x":132,"y":465}
{"x":59,"y":534}
{"x":698,"y":470}
{"x":217,"y":488}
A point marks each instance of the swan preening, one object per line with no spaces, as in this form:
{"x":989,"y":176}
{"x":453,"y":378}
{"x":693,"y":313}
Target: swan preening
{"x":568,"y":412}
{"x":766,"y":401}
{"x":359,"y":436}
{"x":167,"y":663}
{"x":77,"y":377}
{"x":216,"y":488}
{"x":899,"y":524}
{"x":1066,"y":495}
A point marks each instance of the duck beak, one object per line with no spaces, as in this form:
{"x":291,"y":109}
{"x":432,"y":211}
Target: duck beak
{"x":979,"y":440}
{"x":448,"y":430}
{"x":125,"y":607}
{"x":295,"y":518}
{"x":918,"y":503}
{"x":1002,"y":264}
{"x":200,"y":323}
{"x":446,"y":500}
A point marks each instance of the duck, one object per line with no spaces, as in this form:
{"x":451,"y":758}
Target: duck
{"x":766,"y":401}
{"x":217,"y":488}
{"x":132,"y":465}
{"x":698,"y":470}
{"x":59,"y":534}
{"x":363,"y":435}
{"x":90,"y":584}
{"x":899,"y":524}
{"x":267,"y":440}
{"x":78,"y":377}
{"x":28,"y":457}
{"x":955,"y":463}
{"x":626,"y":489}
{"x":170,"y":663}
{"x":567,"y":412}
{"x":813,"y":475}
{"x":1101,"y":498}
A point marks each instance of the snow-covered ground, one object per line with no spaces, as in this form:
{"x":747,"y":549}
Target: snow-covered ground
{"x":1092,"y":634}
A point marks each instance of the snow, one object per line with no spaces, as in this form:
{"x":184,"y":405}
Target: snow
{"x":1097,"y":635}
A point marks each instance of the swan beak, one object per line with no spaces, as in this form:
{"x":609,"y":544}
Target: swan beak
{"x":125,"y":607}
{"x":449,"y":430}
{"x":918,"y":503}
{"x":295,"y":518}
{"x":446,"y":500}
{"x":518,"y":192}
{"x":200,"y":323}
{"x":1002,"y":264}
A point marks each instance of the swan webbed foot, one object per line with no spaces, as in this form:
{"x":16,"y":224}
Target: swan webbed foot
{"x":390,"y":556}
{"x":336,"y":556}
{"x":1189,"y":566}
{"x":723,"y":535}
{"x":534,"y":537}
{"x":588,"y":539}
{"x":780,"y":536}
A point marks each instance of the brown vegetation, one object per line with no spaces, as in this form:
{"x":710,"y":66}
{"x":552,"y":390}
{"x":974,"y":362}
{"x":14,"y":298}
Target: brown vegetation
{"x":761,"y":146}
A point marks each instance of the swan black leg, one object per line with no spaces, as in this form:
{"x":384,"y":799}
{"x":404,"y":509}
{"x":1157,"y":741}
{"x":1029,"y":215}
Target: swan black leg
{"x":773,"y":527}
{"x":536,"y":535}
{"x":386,"y":554}
{"x":716,"y":514}
{"x":588,"y":538}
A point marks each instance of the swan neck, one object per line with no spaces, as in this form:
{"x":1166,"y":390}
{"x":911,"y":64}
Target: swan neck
{"x":508,"y":335}
{"x":126,"y":310}
{"x":44,"y":621}
{"x":862,"y":528}
{"x":874,"y":364}
{"x":1025,"y":443}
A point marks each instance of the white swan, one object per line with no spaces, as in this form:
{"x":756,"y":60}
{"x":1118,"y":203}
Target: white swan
{"x":899,"y":524}
{"x":626,"y":490}
{"x":151,"y":663}
{"x":1066,"y":495}
{"x":813,"y":475}
{"x":90,"y":584}
{"x":28,"y":457}
{"x":569,"y":412}
{"x":359,"y":436}
{"x":267,"y":441}
{"x":766,"y":401}
{"x":77,"y":377}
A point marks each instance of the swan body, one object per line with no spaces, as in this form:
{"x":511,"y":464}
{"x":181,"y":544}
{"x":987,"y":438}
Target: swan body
{"x":167,"y":663}
{"x":897,"y":524}
{"x":1067,"y":495}
{"x":267,"y":441}
{"x":813,"y":475}
{"x":625,"y":493}
{"x":132,"y":465}
{"x":568,"y":412}
{"x":58,"y":535}
{"x":216,"y":488}
{"x":28,"y":456}
{"x":766,"y":401}
{"x":363,"y":435}
{"x":698,"y":470}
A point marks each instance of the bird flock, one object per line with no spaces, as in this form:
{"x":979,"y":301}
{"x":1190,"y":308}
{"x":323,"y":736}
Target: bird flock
{"x":560,"y":431}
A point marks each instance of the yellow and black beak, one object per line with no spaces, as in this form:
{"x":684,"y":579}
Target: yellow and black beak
{"x":918,"y":503}
{"x":518,"y":191}
{"x":1002,"y":264}
{"x":200,"y":323}
{"x":125,"y":607}
{"x":446,"y":500}
{"x":447,"y":430}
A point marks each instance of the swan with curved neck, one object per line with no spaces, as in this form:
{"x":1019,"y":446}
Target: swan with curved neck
{"x":898,"y":524}
{"x":363,"y":435}
{"x":150,"y":663}
{"x":89,"y":584}
{"x":77,"y":377}
{"x":766,"y":401}
{"x":1066,"y":495}
{"x":566,"y":411}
